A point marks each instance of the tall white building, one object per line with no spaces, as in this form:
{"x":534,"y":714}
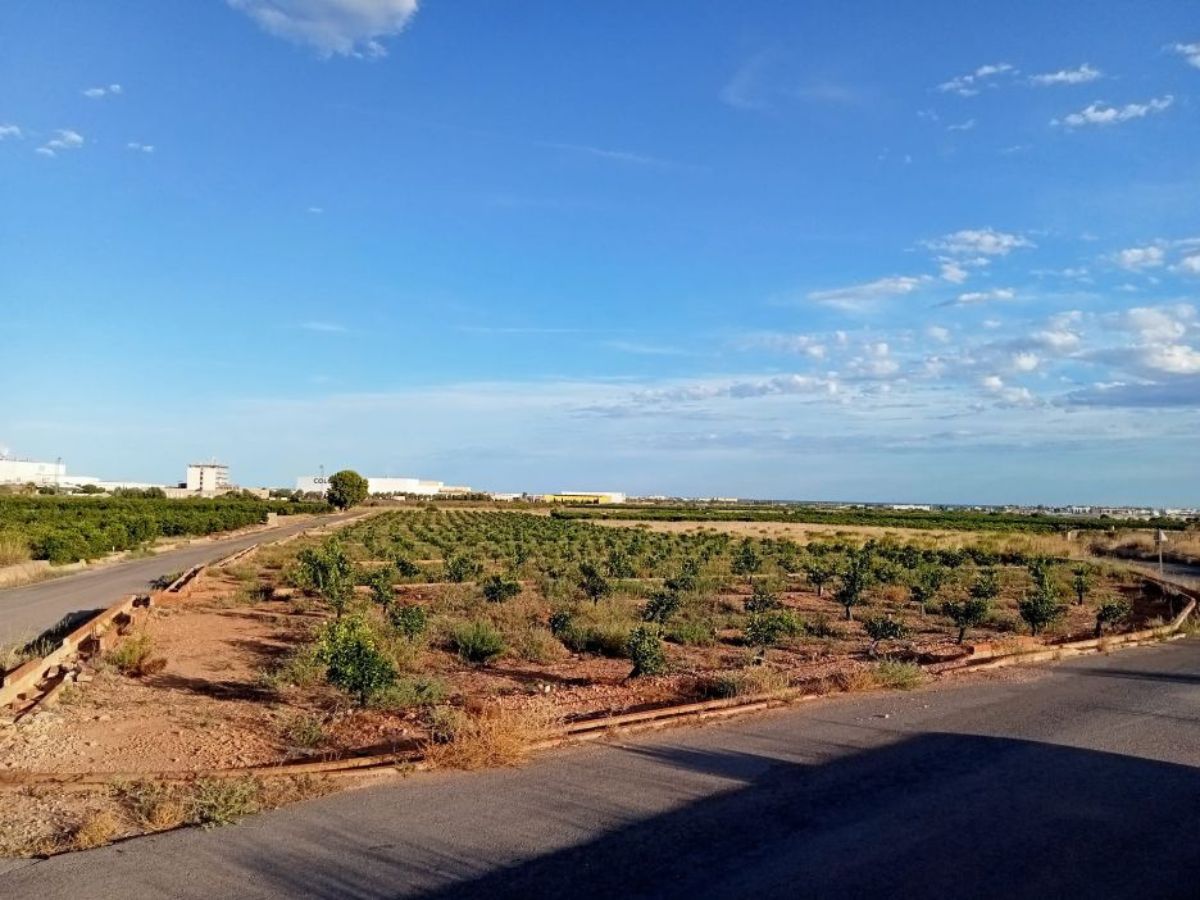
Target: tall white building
{"x":210,"y":476}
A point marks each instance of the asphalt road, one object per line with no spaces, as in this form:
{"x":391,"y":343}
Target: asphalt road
{"x":26,"y":612}
{"x":1079,"y":780}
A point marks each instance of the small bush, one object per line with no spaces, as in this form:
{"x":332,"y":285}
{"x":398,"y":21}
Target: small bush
{"x":14,"y":549}
{"x":748,"y":682}
{"x":497,"y":589}
{"x":352,"y":660}
{"x":444,"y":723}
{"x":304,"y":730}
{"x":605,"y":640}
{"x":902,"y":676}
{"x":645,"y":648}
{"x":410,"y":621}
{"x":537,"y":645}
{"x":411,"y":691}
{"x":477,"y":642}
{"x":495,"y":737}
{"x":883,"y":628}
{"x":767,"y":629}
{"x":222,"y":801}
{"x":301,"y":668}
{"x":152,"y":805}
{"x":134,"y":656}
{"x":560,"y":622}
{"x":1112,"y":612}
{"x":821,"y":627}
{"x":461,"y":567}
{"x":95,"y":831}
{"x":660,"y":607}
{"x":762,"y":599}
{"x":692,"y":634}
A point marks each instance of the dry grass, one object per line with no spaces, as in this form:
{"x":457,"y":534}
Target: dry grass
{"x":95,"y":831}
{"x":14,"y":550}
{"x":134,"y":656}
{"x":493,"y":737}
{"x":749,"y":682}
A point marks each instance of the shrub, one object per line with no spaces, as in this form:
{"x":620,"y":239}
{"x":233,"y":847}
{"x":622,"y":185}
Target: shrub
{"x":382,"y":582}
{"x":821,"y":627}
{"x":222,"y":801}
{"x":406,"y":568}
{"x":134,"y":656}
{"x":1041,"y":609}
{"x":645,"y":648}
{"x":769,"y":628}
{"x":899,"y":675}
{"x":13,"y":549}
{"x":411,"y":691}
{"x":497,"y":589}
{"x":967,"y":613}
{"x":747,"y":682}
{"x":692,"y":634}
{"x":606,"y":640}
{"x":883,"y":628}
{"x":477,"y":642}
{"x":1112,"y":612}
{"x":854,"y":579}
{"x":327,"y":570}
{"x":560,"y":622}
{"x":746,"y":561}
{"x":95,"y":831}
{"x":152,"y":805}
{"x":660,"y":607}
{"x":352,"y":661}
{"x":537,"y":645}
{"x":496,"y":737}
{"x":593,"y":583}
{"x":304,"y":730}
{"x":462,"y":567}
{"x":410,"y":621}
{"x":762,"y":599}
{"x":819,"y":574}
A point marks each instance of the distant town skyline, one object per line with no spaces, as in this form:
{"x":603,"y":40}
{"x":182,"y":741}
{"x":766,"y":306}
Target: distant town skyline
{"x":945,"y":254}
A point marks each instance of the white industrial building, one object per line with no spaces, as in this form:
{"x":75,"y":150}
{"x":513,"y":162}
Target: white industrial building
{"x":207,"y":477}
{"x":385,"y":484}
{"x":24,"y":471}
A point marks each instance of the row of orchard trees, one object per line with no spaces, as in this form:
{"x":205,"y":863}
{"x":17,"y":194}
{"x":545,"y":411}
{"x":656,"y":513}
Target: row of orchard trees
{"x":62,"y":530}
{"x":584,"y":563}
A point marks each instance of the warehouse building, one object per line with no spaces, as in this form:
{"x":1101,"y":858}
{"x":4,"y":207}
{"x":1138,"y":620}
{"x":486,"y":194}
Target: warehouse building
{"x":208,"y":477}
{"x":25,"y":471}
{"x":385,"y":484}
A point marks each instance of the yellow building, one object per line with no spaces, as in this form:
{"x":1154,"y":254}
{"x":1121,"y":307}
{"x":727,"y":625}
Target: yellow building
{"x":593,"y":497}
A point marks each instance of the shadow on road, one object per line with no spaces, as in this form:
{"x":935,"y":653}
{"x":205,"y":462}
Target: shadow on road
{"x":936,"y":816}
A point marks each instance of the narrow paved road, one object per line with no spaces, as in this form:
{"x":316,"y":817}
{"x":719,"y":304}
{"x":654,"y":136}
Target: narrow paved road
{"x":26,"y":612}
{"x":1076,"y":780}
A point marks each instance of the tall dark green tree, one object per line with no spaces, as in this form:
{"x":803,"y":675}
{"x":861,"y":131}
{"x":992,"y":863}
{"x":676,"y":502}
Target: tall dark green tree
{"x":346,"y":489}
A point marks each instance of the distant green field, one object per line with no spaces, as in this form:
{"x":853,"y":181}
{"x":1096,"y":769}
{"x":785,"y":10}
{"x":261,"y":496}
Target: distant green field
{"x":66,"y":529}
{"x":950,"y":520}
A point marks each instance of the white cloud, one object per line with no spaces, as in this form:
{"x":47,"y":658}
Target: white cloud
{"x":970,"y":85}
{"x":1081,"y":75}
{"x":992,"y":383}
{"x":107,"y":90}
{"x":1137,"y":258}
{"x":332,"y":27}
{"x":984,"y":241}
{"x":1056,"y":340}
{"x":1101,"y":114}
{"x":66,"y":140}
{"x":805,"y":344}
{"x":316,"y":210}
{"x":10,"y":131}
{"x":1189,"y":265}
{"x":938,"y":333}
{"x":858,"y":295}
{"x":1155,"y":324}
{"x":953,"y":272}
{"x":1190,"y":52}
{"x":962,"y":126}
{"x":970,"y":298}
{"x":623,"y":156}
{"x":139,"y":147}
{"x":1173,"y":359}
{"x":1025,"y":362}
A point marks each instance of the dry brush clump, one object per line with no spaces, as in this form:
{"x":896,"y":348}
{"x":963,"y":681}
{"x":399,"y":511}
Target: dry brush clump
{"x":494,"y":736}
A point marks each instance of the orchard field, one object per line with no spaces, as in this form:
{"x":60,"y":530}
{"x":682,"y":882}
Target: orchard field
{"x":67,"y":529}
{"x":468,"y":634}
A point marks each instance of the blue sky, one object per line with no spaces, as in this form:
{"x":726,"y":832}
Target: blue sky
{"x":806,"y":250}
